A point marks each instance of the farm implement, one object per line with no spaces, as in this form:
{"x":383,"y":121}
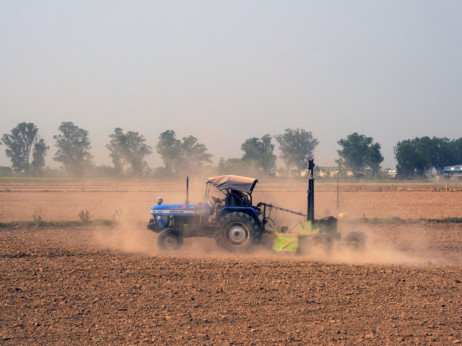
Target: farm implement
{"x":237,"y":224}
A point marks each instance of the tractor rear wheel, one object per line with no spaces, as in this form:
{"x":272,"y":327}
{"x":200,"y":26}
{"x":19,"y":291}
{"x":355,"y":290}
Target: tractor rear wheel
{"x":169,"y":239}
{"x":237,"y":232}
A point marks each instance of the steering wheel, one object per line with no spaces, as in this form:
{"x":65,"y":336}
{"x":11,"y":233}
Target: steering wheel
{"x":216,"y":200}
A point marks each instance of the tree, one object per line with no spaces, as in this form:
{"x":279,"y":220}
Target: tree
{"x":417,"y":157}
{"x":260,"y":151}
{"x":169,"y":149}
{"x":73,"y":148}
{"x":409,"y":161}
{"x":374,"y":158}
{"x":457,"y":147}
{"x":181,"y":155}
{"x":297,"y":147}
{"x":359,"y":153}
{"x":193,"y":154}
{"x":19,"y":144}
{"x":443,"y":152}
{"x":38,"y":156}
{"x":128,"y":149}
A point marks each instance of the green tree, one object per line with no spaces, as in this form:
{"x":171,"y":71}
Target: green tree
{"x":73,"y":148}
{"x":181,"y":155}
{"x":193,"y":154}
{"x":413,"y":157}
{"x":169,"y":148}
{"x":261,"y":152}
{"x":406,"y":158}
{"x":38,"y":156}
{"x":359,"y":153}
{"x":19,"y":144}
{"x":417,"y":157}
{"x":128,"y":149}
{"x":443,"y":152}
{"x":297,"y":147}
{"x":374,"y":158}
{"x":457,"y":149}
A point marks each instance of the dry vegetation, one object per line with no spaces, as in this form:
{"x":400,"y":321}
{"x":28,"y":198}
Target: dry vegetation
{"x":91,"y":284}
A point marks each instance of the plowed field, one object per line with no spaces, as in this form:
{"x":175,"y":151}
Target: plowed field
{"x":100,"y":285}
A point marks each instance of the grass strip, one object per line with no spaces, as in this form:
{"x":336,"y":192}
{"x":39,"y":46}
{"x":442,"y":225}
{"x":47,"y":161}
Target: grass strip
{"x":397,"y":220}
{"x":381,"y":221}
{"x":447,"y":220}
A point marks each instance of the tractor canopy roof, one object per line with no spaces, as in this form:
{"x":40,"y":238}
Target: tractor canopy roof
{"x":233,"y":182}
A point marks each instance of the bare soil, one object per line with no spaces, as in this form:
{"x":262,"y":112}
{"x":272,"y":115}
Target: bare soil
{"x":101,"y":285}
{"x":21,"y":201}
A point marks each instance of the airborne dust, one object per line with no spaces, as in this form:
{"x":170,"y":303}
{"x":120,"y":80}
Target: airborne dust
{"x":410,"y":240}
{"x":411,"y":243}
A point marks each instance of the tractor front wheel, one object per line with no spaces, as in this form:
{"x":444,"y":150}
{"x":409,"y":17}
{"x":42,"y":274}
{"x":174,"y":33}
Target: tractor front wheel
{"x":237,"y":232}
{"x":169,"y":239}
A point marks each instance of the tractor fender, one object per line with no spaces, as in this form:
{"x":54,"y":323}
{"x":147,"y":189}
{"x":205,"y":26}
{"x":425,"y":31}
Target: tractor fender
{"x":245,"y":210}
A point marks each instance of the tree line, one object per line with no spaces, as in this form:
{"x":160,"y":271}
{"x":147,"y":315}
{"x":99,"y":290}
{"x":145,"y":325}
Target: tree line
{"x":419,"y":156}
{"x":128,"y":150}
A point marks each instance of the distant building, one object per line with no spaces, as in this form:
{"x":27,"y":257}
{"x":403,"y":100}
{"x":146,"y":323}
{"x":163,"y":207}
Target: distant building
{"x":391,"y":172}
{"x":330,"y":172}
{"x":327,"y":171}
{"x":452,"y":171}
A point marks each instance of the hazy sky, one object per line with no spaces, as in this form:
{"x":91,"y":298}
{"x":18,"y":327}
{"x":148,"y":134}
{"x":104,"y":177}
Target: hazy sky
{"x":225,"y":71}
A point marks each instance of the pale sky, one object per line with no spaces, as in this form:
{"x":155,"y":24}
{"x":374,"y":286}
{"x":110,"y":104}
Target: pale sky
{"x":225,"y":71}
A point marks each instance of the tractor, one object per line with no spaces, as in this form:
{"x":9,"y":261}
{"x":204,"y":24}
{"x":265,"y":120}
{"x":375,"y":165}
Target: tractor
{"x":237,"y":224}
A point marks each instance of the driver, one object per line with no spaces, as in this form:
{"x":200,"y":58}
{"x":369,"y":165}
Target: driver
{"x":239,"y":198}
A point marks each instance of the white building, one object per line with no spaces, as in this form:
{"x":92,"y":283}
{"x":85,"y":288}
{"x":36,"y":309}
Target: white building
{"x":453,"y":171}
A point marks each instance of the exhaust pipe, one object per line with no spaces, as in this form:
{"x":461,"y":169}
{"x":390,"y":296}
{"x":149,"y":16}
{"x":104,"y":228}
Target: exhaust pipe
{"x":187,"y":190}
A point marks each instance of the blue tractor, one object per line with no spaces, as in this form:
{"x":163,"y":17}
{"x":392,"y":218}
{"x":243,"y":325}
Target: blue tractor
{"x":237,"y":224}
{"x":231,"y":219}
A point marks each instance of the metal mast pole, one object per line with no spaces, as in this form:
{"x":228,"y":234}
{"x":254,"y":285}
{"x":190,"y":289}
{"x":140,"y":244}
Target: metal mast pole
{"x":338,"y":192}
{"x":310,"y":209}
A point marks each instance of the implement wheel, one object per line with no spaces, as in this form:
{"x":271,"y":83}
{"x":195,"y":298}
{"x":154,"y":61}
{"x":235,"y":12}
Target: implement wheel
{"x":237,"y":232}
{"x":356,"y":241}
{"x":169,"y":239}
{"x":317,"y":245}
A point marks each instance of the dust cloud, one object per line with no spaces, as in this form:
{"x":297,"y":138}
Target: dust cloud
{"x":379,"y":249}
{"x":131,"y":237}
{"x":408,"y":243}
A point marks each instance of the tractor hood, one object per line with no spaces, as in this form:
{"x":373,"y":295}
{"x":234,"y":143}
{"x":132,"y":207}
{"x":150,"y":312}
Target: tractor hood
{"x":233,"y":182}
{"x":180,"y":209}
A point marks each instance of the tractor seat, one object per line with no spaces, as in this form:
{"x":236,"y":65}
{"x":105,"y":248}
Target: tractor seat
{"x":236,"y":199}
